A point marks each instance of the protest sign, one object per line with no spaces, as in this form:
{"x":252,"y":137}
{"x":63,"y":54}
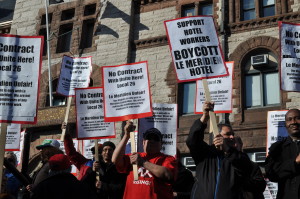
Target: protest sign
{"x":20,"y":152}
{"x":75,"y":73}
{"x":195,"y":48}
{"x":90,"y":116}
{"x":276,"y":129}
{"x":290,"y":74}
{"x":165,"y":120}
{"x":220,"y":91}
{"x":13,"y":137}
{"x":289,"y":39}
{"x":126,"y":92}
{"x":20,"y":65}
{"x":290,"y":56}
{"x":271,"y":190}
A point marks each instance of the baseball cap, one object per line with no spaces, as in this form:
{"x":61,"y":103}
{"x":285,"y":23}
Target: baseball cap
{"x":59,"y":162}
{"x":47,"y":143}
{"x":153,"y":134}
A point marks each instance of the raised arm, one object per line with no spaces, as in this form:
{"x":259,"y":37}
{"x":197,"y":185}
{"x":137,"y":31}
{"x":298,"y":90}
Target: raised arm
{"x":75,"y":157}
{"x":118,"y":155}
{"x":195,"y":139}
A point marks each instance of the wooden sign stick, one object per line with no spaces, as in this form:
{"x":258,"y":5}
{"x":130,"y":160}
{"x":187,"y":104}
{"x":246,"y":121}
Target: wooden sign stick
{"x":212,"y":115}
{"x":97,"y":159}
{"x":66,"y":118}
{"x":133,"y":149}
{"x":2,"y":148}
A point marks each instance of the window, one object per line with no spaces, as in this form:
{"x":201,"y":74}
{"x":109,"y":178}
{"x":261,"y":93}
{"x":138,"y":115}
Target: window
{"x":188,"y":10}
{"x":67,"y":33}
{"x":65,"y":38}
{"x":87,"y":33}
{"x":248,"y":9}
{"x":67,"y":14}
{"x":206,"y":9}
{"x":43,"y":32}
{"x":261,"y":82}
{"x":191,"y":9}
{"x":268,"y":8}
{"x":89,"y":9}
{"x":57,"y":99}
{"x":186,"y":97}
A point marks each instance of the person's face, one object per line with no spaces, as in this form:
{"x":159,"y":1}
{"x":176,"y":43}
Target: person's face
{"x":227,"y":132}
{"x":292,"y":123}
{"x":107,"y":153}
{"x":152,"y":145}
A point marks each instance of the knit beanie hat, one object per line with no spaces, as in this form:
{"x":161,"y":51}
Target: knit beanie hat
{"x":109,"y":143}
{"x":59,"y":162}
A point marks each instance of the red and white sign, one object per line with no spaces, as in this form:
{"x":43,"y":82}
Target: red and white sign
{"x":13,"y":137}
{"x":90,"y":116}
{"x":276,"y":130}
{"x":75,"y":73}
{"x":20,"y":66}
{"x":220,"y":91}
{"x":195,"y":48}
{"x":289,"y":39}
{"x":126,"y":92}
{"x":165,"y":120}
{"x":290,"y":56}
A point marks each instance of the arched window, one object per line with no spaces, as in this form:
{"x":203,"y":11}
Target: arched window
{"x":57,"y":99}
{"x":261,"y":79}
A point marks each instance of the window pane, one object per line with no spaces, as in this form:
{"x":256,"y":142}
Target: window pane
{"x":188,"y":12}
{"x":64,"y":38}
{"x":269,"y":11}
{"x":59,"y":101}
{"x":271,"y":88}
{"x":206,"y":9}
{"x":189,"y":90}
{"x":248,"y":4}
{"x":248,"y":15}
{"x":253,"y":91}
{"x":268,"y":2}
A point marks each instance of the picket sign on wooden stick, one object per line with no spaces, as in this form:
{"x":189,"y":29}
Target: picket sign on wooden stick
{"x":66,"y":118}
{"x":97,"y":159}
{"x":2,"y":148}
{"x":212,"y":115}
{"x":133,"y":150}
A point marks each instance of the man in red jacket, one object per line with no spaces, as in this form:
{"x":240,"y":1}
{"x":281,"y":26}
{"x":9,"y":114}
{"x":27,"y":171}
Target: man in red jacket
{"x":156,"y":170}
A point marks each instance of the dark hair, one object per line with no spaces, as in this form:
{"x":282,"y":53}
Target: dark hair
{"x":48,"y":152}
{"x":294,"y":109}
{"x":221,"y":125}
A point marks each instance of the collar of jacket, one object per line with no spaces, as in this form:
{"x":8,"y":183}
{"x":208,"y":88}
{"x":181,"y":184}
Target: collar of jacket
{"x":288,"y":141}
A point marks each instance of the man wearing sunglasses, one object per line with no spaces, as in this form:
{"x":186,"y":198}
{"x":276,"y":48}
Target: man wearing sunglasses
{"x":223,"y":171}
{"x":156,"y":170}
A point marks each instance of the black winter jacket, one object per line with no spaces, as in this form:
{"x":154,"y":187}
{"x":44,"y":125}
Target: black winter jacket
{"x":236,"y":170}
{"x":281,"y":167}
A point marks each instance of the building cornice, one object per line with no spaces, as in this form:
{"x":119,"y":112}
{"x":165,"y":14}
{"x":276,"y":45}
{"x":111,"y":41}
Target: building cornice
{"x":266,"y":22}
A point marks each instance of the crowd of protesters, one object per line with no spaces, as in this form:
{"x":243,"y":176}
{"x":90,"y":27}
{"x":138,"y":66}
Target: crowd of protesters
{"x":223,"y":170}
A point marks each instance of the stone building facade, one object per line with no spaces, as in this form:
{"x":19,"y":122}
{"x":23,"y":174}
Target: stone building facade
{"x":116,"y":32}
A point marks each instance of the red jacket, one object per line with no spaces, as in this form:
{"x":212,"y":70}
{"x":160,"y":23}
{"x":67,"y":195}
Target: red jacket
{"x":76,"y":158}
